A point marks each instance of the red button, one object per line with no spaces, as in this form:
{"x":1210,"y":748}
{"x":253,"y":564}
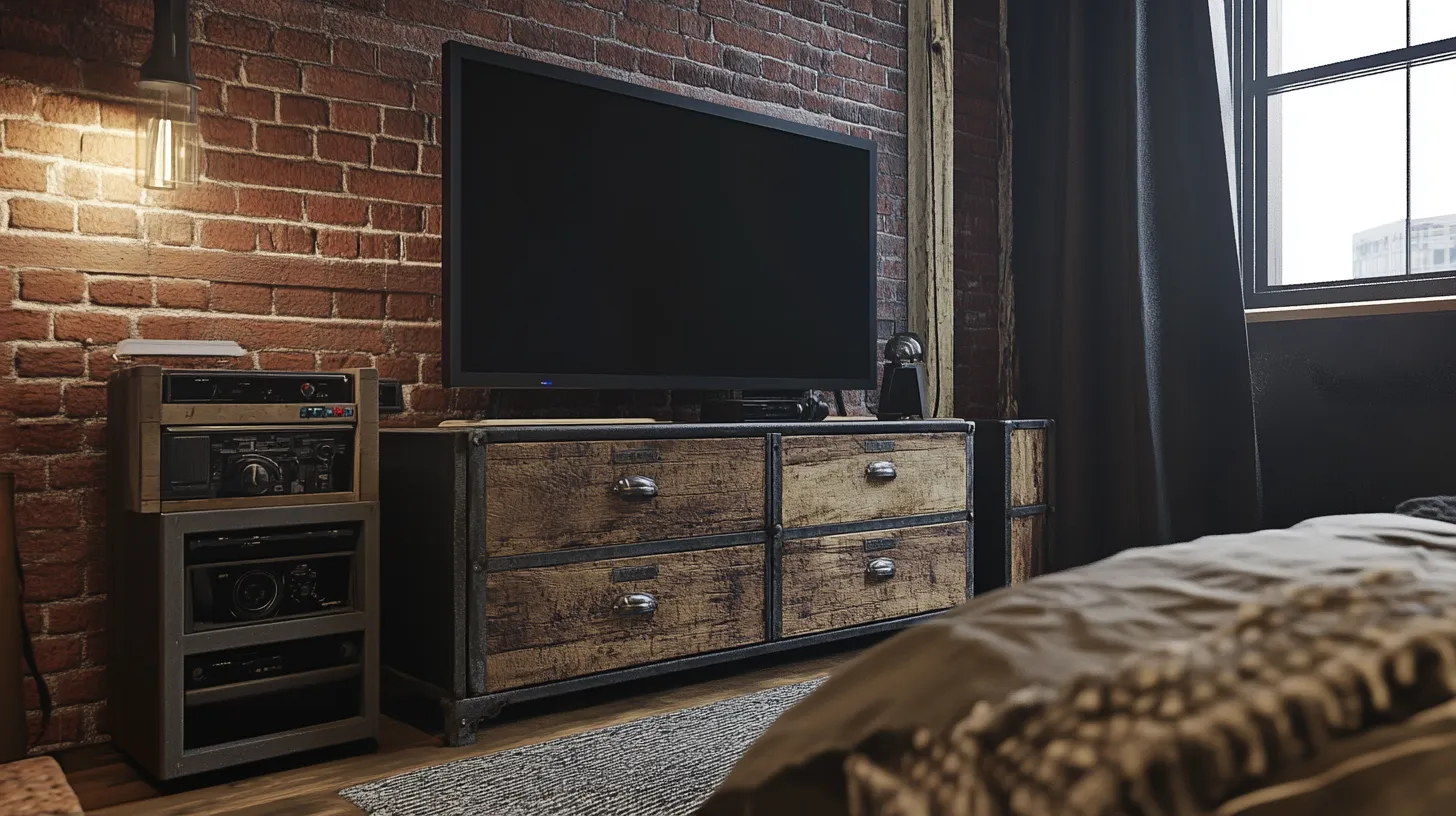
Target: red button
{"x":338,"y":410}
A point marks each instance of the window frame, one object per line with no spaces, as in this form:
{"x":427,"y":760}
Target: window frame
{"x":1248,"y":26}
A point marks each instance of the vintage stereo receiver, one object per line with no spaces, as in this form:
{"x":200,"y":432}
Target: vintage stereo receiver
{"x":241,"y":578}
{"x":255,"y":387}
{"x":267,"y":460}
{"x":197,"y":440}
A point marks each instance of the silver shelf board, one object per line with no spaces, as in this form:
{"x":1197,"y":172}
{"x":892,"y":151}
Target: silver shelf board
{"x":267,"y":685}
{"x":272,"y":632}
{"x":228,"y":754}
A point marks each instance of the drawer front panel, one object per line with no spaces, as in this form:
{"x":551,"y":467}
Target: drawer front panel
{"x":555,"y":623}
{"x":837,"y":479}
{"x":544,"y":496}
{"x":1028,"y":547}
{"x":845,"y":580}
{"x":1028,"y":466}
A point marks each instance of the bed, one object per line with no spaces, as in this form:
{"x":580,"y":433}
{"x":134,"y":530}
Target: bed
{"x":1313,"y":628}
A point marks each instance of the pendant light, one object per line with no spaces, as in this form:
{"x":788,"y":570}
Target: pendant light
{"x":168,"y":143}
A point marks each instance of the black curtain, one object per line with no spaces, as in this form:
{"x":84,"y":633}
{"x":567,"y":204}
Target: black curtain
{"x":1129,"y":301}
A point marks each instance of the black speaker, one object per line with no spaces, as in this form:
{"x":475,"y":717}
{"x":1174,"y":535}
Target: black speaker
{"x":902,"y":386}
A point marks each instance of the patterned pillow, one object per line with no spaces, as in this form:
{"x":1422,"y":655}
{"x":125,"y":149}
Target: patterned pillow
{"x":1310,"y":701}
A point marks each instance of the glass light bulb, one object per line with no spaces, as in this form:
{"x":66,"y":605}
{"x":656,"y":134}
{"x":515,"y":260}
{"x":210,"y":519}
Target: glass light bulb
{"x":169,"y":143}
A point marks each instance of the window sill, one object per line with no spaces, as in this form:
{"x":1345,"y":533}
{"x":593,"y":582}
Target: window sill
{"x":1277,"y":314}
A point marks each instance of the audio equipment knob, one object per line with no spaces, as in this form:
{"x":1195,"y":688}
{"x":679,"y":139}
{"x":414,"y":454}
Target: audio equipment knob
{"x":254,"y":479}
{"x":325,"y":452}
{"x":306,"y":389}
{"x":255,"y":595}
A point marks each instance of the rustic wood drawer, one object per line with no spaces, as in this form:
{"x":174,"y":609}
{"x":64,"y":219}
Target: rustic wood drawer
{"x":844,"y":580}
{"x":1028,"y":466}
{"x":1028,"y":547}
{"x":542,"y":496}
{"x":836,"y":479}
{"x":553,"y":623}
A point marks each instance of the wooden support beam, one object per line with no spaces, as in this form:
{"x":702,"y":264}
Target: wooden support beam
{"x":1009,"y":368}
{"x":931,"y":130}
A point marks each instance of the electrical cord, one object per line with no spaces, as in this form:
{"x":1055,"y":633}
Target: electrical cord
{"x":27,"y":648}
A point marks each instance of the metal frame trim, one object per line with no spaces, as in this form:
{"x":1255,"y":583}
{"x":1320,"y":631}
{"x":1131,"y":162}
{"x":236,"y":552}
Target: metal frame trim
{"x":477,"y":561}
{"x":971,"y":504}
{"x":1025,"y":424}
{"x":775,"y":555}
{"x":895,"y":523}
{"x":637,"y":550}
{"x":697,"y":430}
{"x":460,"y":527}
{"x":174,"y":530}
{"x":1049,"y":479}
{"x":1007,"y":429}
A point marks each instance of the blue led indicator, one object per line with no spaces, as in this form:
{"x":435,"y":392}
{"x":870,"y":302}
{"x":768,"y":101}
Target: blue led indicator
{"x":545,"y":382}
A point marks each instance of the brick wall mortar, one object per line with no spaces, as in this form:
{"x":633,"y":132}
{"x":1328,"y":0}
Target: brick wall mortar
{"x":321,"y":189}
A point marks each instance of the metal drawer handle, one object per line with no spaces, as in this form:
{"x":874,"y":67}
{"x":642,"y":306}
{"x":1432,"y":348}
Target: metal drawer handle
{"x":881,"y":568}
{"x":635,"y":487}
{"x":636,"y":603}
{"x":880,"y":471}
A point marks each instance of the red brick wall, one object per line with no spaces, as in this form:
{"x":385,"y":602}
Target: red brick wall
{"x":314,"y":239}
{"x":977,"y":149}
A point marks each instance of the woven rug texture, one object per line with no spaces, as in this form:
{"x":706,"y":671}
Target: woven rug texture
{"x":665,"y":765}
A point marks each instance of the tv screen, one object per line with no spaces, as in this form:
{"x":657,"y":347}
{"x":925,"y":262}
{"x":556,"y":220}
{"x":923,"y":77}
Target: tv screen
{"x":601,"y":234}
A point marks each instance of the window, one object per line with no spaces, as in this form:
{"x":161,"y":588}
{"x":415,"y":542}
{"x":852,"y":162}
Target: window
{"x":1347,"y":178}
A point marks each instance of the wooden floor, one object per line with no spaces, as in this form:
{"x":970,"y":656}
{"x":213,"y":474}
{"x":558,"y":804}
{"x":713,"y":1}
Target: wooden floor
{"x":108,"y":785}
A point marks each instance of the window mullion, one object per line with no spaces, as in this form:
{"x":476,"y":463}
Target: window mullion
{"x":1408,"y":223}
{"x":1359,"y":66}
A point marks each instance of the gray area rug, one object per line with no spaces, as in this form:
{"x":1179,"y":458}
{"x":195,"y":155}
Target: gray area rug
{"x":665,"y":765}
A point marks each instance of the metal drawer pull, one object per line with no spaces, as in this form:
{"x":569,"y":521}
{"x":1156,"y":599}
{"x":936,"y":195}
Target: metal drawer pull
{"x":635,"y":487}
{"x":881,"y":568}
{"x":638,"y":603}
{"x":880,"y":471}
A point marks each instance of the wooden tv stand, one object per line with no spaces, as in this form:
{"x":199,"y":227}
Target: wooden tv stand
{"x":524,"y":562}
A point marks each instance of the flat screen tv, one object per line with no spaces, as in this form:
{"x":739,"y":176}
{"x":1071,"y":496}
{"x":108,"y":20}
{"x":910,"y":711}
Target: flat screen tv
{"x":600,"y":234}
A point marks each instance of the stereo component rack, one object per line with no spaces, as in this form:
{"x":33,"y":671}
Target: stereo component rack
{"x":280,"y":655}
{"x":242,"y":552}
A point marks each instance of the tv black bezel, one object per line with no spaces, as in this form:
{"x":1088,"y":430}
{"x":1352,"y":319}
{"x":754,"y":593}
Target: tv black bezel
{"x":455,"y":54}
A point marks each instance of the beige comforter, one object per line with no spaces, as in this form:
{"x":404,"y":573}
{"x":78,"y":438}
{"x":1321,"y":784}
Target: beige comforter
{"x":1090,"y":620}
